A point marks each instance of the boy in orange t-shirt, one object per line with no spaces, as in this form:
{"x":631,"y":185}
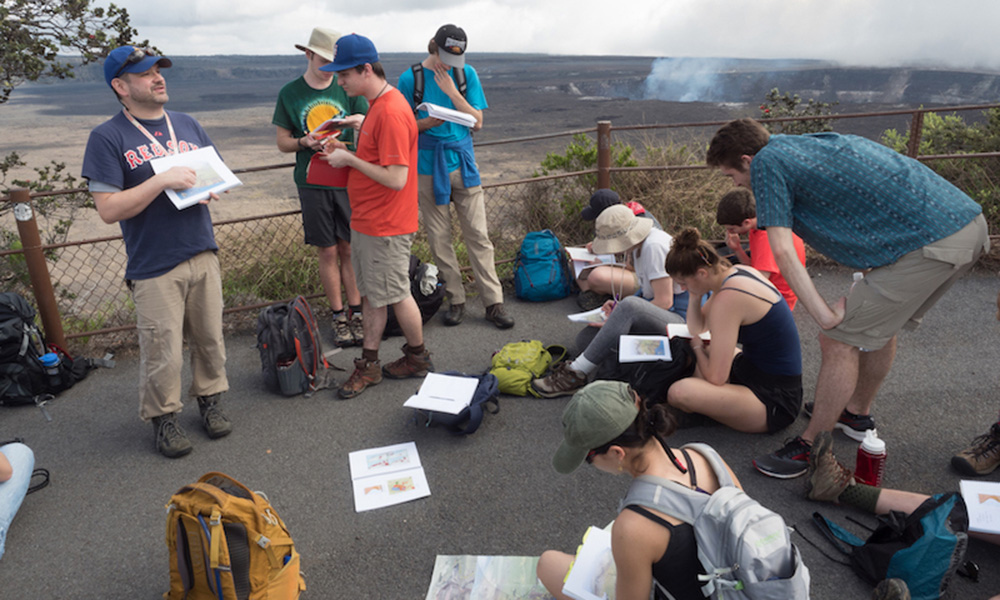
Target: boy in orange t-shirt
{"x":737,"y":212}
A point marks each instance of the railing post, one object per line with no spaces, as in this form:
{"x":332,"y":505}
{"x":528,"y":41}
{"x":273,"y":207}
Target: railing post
{"x":604,"y":154}
{"x":916,"y":130}
{"x":38,"y":270}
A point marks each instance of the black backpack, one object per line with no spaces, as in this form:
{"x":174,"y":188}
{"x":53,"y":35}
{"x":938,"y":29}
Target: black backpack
{"x":23,"y":379}
{"x":418,"y":83}
{"x":652,"y":379}
{"x":291,"y":351}
{"x":428,"y":304}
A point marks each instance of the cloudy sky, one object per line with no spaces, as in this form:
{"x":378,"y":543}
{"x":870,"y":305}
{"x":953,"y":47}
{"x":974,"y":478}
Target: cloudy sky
{"x":955,"y":33}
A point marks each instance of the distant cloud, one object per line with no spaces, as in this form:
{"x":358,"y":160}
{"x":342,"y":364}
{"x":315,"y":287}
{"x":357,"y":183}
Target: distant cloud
{"x":958,"y":34}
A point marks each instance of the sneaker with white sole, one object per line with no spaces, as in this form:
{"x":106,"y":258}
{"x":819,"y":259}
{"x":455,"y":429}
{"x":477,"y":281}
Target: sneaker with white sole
{"x":854,"y":426}
{"x":790,"y":461}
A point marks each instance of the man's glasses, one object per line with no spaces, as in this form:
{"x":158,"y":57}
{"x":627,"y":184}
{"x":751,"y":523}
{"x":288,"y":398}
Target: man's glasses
{"x":134,"y":58}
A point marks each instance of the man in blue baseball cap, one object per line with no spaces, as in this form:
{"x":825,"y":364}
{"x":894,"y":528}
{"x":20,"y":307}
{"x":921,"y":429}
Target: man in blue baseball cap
{"x":382,"y":187}
{"x":173,"y":271}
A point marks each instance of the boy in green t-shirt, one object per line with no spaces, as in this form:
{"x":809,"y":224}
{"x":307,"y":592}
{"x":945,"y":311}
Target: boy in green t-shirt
{"x":303,"y":105}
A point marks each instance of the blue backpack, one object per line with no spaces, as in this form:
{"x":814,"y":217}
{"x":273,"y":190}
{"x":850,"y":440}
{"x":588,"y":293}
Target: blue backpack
{"x":485,"y":399}
{"x":924,"y":548}
{"x":540,"y":273}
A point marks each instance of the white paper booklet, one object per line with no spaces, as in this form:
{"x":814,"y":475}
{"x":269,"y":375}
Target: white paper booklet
{"x":583,"y":260}
{"x":444,"y":393}
{"x":213,"y":175}
{"x":643,"y":348}
{"x":681,"y":330}
{"x":447,"y":114}
{"x":592,"y":575}
{"x":982,"y":499}
{"x":591,"y":316}
{"x":388,"y":475}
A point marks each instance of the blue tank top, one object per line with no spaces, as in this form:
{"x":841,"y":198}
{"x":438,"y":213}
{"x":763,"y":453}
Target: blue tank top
{"x":772,"y":343}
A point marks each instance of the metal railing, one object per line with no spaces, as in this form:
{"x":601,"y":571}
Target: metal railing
{"x":78,"y":286}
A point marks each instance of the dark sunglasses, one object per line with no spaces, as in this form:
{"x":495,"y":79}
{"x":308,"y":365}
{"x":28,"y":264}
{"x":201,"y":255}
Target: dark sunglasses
{"x":134,"y":58}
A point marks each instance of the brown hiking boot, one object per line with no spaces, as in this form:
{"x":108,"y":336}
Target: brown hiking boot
{"x":357,"y":326}
{"x":342,"y":334}
{"x":215,"y":422}
{"x":409,"y":365}
{"x":561,"y":381}
{"x":827,"y":478}
{"x":982,"y":457}
{"x":497,"y":315}
{"x":366,"y":373}
{"x":171,"y":441}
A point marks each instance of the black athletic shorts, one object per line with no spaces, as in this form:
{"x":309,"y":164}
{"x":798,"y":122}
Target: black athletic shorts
{"x":781,"y":394}
{"x":326,"y":216}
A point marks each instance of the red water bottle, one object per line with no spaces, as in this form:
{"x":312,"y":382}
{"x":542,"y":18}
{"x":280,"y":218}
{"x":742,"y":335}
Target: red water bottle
{"x":871,"y":460}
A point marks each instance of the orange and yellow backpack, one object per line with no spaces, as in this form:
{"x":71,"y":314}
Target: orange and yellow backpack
{"x":227,"y":543}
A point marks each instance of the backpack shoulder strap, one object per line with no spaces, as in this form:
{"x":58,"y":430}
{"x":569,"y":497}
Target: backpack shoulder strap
{"x":668,"y":497}
{"x":460,"y":81}
{"x":715,"y":461}
{"x":418,"y":84}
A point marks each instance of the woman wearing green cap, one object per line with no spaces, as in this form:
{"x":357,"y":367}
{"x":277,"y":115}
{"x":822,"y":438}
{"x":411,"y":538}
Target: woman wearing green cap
{"x":607,"y":425}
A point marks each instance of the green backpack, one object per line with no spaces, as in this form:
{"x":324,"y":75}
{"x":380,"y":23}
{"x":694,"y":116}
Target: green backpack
{"x":517,"y":363}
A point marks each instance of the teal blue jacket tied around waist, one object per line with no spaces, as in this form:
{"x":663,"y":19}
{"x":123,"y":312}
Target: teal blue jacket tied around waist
{"x":467,"y":160}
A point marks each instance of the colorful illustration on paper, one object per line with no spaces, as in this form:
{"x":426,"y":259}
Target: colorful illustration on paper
{"x":393,"y":458}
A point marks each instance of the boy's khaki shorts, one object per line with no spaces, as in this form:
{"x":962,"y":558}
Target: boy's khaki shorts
{"x":382,"y":267}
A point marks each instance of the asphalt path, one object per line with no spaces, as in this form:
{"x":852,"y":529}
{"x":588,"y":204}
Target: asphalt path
{"x":98,"y":530}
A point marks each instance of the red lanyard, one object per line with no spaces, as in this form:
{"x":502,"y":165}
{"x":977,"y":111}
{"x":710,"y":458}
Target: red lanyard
{"x":145,"y":132}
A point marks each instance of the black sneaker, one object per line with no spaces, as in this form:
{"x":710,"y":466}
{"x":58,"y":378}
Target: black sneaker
{"x":791,"y":461}
{"x":854,"y":426}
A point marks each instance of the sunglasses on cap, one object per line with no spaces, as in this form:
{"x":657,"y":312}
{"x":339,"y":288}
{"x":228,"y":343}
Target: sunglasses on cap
{"x":134,"y":58}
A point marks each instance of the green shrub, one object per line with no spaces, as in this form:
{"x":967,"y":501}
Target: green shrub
{"x":776,"y":106}
{"x":950,"y":134}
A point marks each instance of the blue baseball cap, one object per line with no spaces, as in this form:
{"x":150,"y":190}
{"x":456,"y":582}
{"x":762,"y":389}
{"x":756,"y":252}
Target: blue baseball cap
{"x":351,"y":51}
{"x":131,"y":59}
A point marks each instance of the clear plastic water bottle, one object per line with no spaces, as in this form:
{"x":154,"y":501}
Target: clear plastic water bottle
{"x":51,"y":363}
{"x":870,"y":466}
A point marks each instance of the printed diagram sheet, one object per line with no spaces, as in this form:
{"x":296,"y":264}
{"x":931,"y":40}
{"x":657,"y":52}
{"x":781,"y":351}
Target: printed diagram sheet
{"x":386,"y":476}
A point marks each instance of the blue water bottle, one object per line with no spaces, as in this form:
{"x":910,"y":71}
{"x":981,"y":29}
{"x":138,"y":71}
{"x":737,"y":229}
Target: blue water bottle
{"x":51,"y":363}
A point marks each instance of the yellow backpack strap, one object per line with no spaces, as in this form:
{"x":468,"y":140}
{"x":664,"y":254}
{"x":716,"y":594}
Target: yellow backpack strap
{"x":265,"y":543}
{"x":215,"y":531}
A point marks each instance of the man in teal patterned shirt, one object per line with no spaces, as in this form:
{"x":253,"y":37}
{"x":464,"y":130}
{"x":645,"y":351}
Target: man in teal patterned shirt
{"x":868,"y":207}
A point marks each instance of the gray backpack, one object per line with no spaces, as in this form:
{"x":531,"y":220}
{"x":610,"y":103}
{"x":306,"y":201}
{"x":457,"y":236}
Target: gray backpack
{"x":743,"y":546}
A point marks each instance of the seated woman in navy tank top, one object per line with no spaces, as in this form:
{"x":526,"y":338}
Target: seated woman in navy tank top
{"x":607,"y":425}
{"x":757,"y":388}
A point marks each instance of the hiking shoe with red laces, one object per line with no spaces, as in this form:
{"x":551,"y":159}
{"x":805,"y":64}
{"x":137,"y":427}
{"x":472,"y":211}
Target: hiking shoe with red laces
{"x":827,"y":477}
{"x":366,"y":373}
{"x":792,"y":460}
{"x":982,"y":457}
{"x":409,"y":365}
{"x":561,"y":381}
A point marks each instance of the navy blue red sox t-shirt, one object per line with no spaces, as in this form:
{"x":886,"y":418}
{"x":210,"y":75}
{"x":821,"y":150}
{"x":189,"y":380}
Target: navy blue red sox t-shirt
{"x":160,"y":237}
